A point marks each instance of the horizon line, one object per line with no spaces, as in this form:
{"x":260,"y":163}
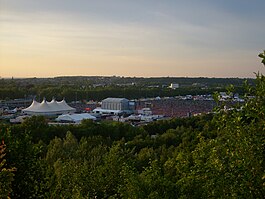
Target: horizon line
{"x":121,"y":76}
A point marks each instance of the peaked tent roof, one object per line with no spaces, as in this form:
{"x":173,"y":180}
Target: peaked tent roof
{"x":63,"y":105}
{"x":48,"y":108}
{"x":33,"y":105}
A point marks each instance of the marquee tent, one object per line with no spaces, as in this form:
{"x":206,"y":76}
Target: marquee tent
{"x":75,"y":118}
{"x":48,"y":108}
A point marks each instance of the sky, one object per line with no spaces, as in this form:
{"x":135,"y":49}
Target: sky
{"x":142,"y":38}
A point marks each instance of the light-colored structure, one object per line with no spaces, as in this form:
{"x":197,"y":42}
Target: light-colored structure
{"x":145,"y":111}
{"x":19,"y":119}
{"x":48,"y":108}
{"x":114,"y":106}
{"x":16,"y":103}
{"x":225,"y":96}
{"x":75,"y":118}
{"x":174,"y":86}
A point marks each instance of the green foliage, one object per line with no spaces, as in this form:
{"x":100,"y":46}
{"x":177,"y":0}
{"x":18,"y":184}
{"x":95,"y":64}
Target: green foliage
{"x":232,"y":164}
{"x":262,"y":56}
{"x":25,"y":156}
{"x":151,"y":183}
{"x":81,"y":88}
{"x":6,"y":175}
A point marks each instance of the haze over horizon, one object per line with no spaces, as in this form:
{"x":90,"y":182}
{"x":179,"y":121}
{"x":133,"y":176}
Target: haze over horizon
{"x":142,"y":38}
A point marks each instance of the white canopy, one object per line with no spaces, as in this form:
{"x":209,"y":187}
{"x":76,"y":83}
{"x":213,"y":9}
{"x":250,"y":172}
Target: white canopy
{"x":76,"y":118}
{"x":48,"y":108}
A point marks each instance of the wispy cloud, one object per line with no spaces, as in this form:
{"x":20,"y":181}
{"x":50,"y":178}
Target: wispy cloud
{"x":181,"y":38}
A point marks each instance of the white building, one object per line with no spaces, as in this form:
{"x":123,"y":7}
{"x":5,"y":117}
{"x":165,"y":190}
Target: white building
{"x":145,"y":111}
{"x":225,"y":96}
{"x":174,"y":86}
{"x":115,"y":106}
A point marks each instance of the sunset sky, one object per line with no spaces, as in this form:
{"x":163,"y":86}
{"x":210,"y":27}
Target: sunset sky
{"x":206,"y":38}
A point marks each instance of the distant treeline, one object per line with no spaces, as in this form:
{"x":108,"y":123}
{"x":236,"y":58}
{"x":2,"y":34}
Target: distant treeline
{"x":98,"y":88}
{"x":114,"y":80}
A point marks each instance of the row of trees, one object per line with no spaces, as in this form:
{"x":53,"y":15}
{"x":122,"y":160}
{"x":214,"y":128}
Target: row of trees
{"x":73,"y":93}
{"x":77,"y":92}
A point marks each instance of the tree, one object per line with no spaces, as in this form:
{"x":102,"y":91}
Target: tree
{"x":26,"y":157}
{"x":232,"y":164}
{"x":262,"y":56}
{"x":6,"y":175}
{"x":150,"y":183}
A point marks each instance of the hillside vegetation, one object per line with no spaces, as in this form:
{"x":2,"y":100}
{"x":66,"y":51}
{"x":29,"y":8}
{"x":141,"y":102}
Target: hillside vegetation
{"x":210,"y":156}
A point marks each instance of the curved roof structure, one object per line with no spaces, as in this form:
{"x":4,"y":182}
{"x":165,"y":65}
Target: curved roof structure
{"x":48,"y":108}
{"x":76,"y":118}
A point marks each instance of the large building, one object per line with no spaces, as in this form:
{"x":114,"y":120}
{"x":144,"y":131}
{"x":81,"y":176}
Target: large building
{"x":115,"y":106}
{"x":48,"y":108}
{"x":16,"y":103}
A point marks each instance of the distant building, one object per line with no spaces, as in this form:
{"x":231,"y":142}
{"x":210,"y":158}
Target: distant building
{"x":225,"y":96}
{"x":145,"y":111}
{"x":18,"y":119}
{"x":15,"y":103}
{"x":115,"y":106}
{"x":174,"y":86}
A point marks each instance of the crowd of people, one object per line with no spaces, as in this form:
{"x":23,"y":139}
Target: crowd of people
{"x":173,"y":107}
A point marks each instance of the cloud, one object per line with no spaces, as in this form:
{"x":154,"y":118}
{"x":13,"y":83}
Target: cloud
{"x":164,"y":34}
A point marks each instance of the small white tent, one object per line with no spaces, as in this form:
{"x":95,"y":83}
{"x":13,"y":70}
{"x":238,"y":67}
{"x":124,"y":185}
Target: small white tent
{"x":48,"y":108}
{"x":75,"y":118}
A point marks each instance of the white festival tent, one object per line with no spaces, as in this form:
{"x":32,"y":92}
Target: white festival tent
{"x":48,"y":108}
{"x":75,"y":118}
